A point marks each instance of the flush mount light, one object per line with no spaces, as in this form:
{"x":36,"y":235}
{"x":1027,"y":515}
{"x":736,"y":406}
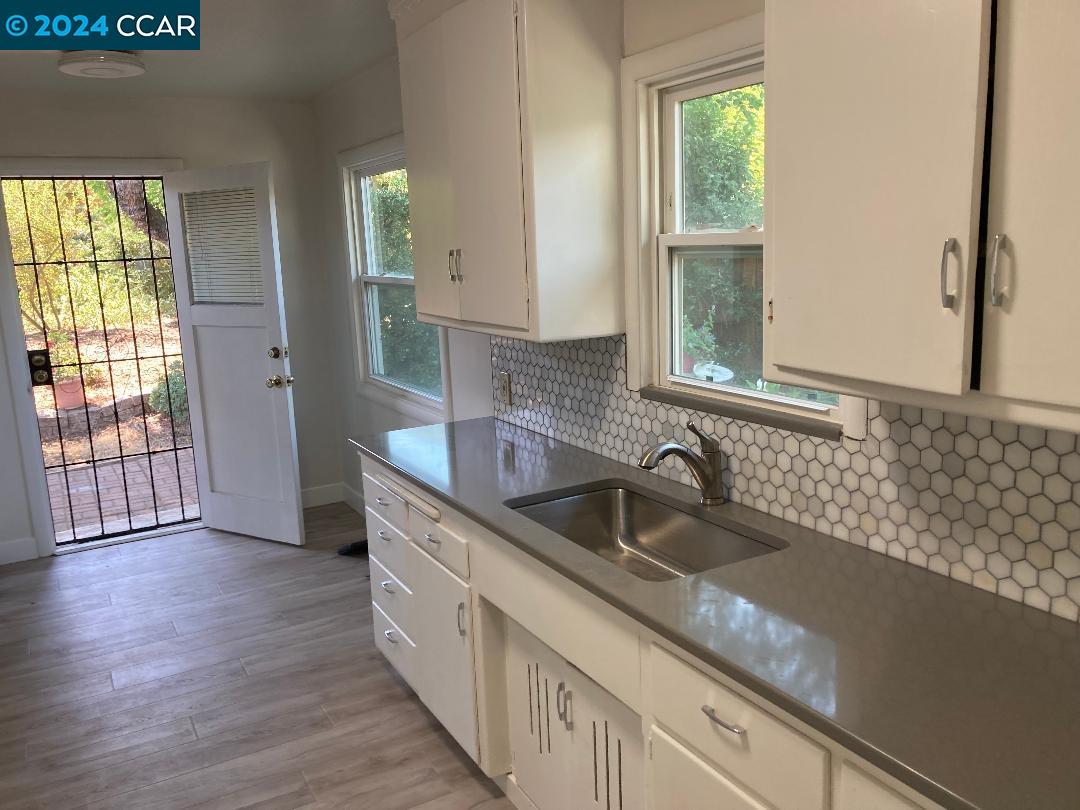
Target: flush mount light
{"x":101,"y":64}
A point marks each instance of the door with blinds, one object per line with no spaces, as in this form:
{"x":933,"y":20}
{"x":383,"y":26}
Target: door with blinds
{"x":223,"y":227}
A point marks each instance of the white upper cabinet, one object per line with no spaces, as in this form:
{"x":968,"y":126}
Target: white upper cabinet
{"x":874,"y":139}
{"x":1031,"y":331}
{"x":511,"y":119}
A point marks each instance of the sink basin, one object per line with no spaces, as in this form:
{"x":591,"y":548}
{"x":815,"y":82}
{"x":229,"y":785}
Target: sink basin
{"x":646,"y":537}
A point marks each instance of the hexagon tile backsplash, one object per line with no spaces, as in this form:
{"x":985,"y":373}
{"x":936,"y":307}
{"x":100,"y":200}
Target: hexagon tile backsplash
{"x":989,"y":503}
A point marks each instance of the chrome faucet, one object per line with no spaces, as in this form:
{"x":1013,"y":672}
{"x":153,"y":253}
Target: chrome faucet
{"x":707,"y":468}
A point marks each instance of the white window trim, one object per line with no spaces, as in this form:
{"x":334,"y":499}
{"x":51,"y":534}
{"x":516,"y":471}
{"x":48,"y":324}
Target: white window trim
{"x":385,"y":154}
{"x":735,"y":48}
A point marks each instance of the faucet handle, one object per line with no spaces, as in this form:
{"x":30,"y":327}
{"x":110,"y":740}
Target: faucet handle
{"x":709,"y":444}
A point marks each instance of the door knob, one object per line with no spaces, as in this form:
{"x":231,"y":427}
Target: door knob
{"x":273,"y":352}
{"x":275,"y":381}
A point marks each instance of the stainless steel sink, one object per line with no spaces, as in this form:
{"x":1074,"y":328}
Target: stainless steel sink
{"x":648,"y":538}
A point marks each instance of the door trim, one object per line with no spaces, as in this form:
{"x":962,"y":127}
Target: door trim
{"x":14,"y":338}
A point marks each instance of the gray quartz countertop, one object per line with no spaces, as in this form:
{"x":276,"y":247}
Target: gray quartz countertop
{"x":970,"y":698}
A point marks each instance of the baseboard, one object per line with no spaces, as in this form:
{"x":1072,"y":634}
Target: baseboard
{"x":516,"y":795}
{"x":321,"y":496}
{"x":352,"y":498}
{"x":18,"y":549}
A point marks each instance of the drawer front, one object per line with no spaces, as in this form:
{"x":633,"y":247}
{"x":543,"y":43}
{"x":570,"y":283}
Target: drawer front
{"x":441,"y":543}
{"x":390,"y":594}
{"x":679,"y":778}
{"x":385,"y":503}
{"x":392,"y":642}
{"x":388,"y":545}
{"x":860,"y":791}
{"x":768,"y":757}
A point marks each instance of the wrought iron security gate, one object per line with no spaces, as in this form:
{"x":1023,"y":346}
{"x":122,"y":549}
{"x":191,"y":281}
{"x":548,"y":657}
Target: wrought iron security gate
{"x":92,"y":263}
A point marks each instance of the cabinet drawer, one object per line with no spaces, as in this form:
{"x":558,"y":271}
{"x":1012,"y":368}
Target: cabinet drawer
{"x":860,"y":791}
{"x":768,"y":757}
{"x":388,"y":545}
{"x":390,"y":594}
{"x":679,"y":778}
{"x":392,"y":642}
{"x":385,"y":503}
{"x":441,"y":543}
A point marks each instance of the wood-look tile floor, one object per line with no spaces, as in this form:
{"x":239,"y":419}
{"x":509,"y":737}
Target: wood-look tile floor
{"x":211,"y":670}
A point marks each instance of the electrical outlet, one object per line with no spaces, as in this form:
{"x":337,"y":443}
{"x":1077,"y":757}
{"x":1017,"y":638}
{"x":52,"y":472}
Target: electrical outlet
{"x":504,"y":387}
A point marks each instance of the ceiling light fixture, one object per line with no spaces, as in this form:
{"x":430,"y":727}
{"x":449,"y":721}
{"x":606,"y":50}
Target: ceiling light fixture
{"x":101,"y":64}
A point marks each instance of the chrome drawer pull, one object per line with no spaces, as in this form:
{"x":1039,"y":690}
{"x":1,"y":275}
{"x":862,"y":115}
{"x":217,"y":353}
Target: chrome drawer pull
{"x":390,"y":636}
{"x":435,"y":541}
{"x":710,"y":712}
{"x":948,"y":300}
{"x":461,"y":619}
{"x":382,"y":502}
{"x":996,"y":296}
{"x":385,"y":585}
{"x":383,"y":535}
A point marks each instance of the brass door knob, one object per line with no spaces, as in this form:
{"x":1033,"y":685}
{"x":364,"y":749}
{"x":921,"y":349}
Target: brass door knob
{"x":275,"y":381}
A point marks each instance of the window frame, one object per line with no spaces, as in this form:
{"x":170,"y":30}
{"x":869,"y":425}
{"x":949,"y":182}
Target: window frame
{"x":654,"y":83}
{"x":387,"y":154}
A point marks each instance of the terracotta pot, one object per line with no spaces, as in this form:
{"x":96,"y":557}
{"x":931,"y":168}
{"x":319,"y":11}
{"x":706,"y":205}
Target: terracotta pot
{"x":69,"y":394}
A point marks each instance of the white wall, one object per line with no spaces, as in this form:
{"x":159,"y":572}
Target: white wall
{"x":207,"y":133}
{"x":648,"y":23}
{"x":361,"y":109}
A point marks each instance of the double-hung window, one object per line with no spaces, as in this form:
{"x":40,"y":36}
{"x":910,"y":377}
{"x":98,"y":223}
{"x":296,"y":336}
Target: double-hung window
{"x":697,"y":292}
{"x":400,"y":357}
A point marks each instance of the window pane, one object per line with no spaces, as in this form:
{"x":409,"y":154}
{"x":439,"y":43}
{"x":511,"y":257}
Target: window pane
{"x":386,"y":224}
{"x":717,"y":324}
{"x":403,"y":351}
{"x":723,"y":160}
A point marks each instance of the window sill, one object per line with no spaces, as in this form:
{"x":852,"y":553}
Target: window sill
{"x":820,"y":426}
{"x":402,"y":401}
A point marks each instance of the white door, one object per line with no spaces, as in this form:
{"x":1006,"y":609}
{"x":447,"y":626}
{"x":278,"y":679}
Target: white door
{"x":679,"y":778}
{"x":873,"y":161}
{"x":481,"y":68}
{"x":1031,"y":331}
{"x":443,"y":623}
{"x":431,"y":203}
{"x":223,"y":231}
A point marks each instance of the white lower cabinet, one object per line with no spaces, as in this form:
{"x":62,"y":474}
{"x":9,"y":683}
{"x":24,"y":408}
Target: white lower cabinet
{"x":858,"y":790}
{"x":443,"y":621}
{"x":573,"y":744}
{"x":678,"y":778}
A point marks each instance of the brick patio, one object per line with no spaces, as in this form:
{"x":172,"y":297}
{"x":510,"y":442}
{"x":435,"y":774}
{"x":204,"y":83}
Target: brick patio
{"x":175,"y":497}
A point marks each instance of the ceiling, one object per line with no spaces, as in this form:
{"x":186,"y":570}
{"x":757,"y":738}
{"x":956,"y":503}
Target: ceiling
{"x":265,"y":49}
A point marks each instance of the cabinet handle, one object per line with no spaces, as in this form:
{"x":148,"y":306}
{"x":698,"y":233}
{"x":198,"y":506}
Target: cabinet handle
{"x":457,"y":265}
{"x":383,"y":535}
{"x":560,"y":698}
{"x":390,"y":636}
{"x":996,"y":296}
{"x":385,"y":585}
{"x":710,"y":712}
{"x":568,"y":710}
{"x":435,"y":541}
{"x":382,"y":502}
{"x":450,"y":264}
{"x":461,"y":619}
{"x":948,"y":299}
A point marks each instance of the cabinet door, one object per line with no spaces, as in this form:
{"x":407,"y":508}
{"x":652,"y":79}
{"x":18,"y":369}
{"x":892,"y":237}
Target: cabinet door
{"x":480,"y":57}
{"x":607,"y":748}
{"x":538,"y":742}
{"x":442,"y":615}
{"x":873,"y":159}
{"x":431,"y":204}
{"x":679,"y":778}
{"x":1030,"y":336}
